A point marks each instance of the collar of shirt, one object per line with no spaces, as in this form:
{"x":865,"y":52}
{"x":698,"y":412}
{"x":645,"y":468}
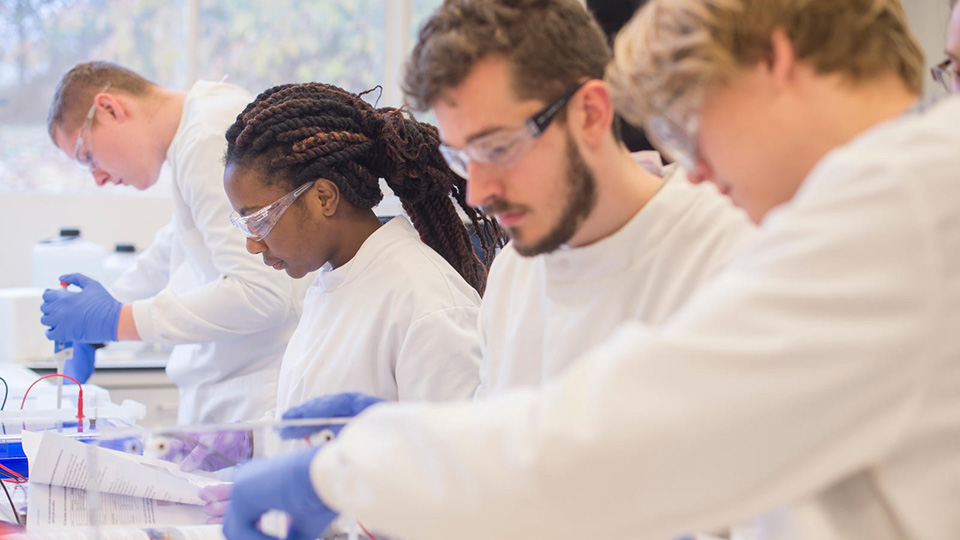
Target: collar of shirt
{"x":398,"y":228}
{"x":638,"y":238}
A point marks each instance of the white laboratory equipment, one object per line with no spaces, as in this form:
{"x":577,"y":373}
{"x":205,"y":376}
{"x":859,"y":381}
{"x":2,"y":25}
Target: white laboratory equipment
{"x":22,"y":336}
{"x":122,"y":258}
{"x":66,"y":254}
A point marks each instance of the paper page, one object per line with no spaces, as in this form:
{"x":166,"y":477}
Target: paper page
{"x":58,"y":507}
{"x":119,"y":534}
{"x":200,"y":532}
{"x":60,"y":461}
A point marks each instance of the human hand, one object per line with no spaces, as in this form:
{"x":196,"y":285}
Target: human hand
{"x":345,"y":405}
{"x":217,"y":498}
{"x":81,"y":365}
{"x":280,"y":483}
{"x":90,"y":316}
{"x":210,"y":451}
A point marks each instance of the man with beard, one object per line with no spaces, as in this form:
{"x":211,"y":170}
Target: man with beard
{"x":595,"y":239}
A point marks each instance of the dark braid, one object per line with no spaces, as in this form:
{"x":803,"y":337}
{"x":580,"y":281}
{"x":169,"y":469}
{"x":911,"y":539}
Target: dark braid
{"x":315,"y":130}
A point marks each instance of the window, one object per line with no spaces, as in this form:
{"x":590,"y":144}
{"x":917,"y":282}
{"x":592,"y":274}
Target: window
{"x":254,"y":43}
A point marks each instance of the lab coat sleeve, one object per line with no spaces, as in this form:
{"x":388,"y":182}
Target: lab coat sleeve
{"x":440,"y":356}
{"x":149,"y":273}
{"x":804,"y":361}
{"x":247,"y":297}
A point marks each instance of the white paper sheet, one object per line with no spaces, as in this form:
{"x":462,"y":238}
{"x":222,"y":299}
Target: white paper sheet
{"x":201,"y":532}
{"x":60,"y":461}
{"x":58,"y":507}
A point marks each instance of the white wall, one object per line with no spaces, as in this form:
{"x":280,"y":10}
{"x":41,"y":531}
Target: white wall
{"x":928,"y":20}
{"x":26,"y":218}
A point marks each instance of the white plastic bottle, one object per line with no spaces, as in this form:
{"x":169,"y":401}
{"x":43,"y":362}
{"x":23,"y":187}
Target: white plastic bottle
{"x":66,"y":254}
{"x":122,"y":258}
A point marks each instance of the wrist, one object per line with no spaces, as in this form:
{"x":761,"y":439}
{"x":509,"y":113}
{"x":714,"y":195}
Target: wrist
{"x":126,"y":325}
{"x":304,"y":495}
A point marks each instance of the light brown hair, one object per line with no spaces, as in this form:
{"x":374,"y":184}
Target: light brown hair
{"x":75,"y":91}
{"x":551,"y":45}
{"x":673,"y":46}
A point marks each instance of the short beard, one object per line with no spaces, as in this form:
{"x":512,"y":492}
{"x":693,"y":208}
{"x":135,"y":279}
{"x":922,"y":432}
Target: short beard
{"x":580,"y":203}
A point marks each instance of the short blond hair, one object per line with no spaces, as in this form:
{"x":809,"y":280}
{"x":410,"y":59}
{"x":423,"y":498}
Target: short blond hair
{"x":77,"y":88}
{"x":674,"y":46}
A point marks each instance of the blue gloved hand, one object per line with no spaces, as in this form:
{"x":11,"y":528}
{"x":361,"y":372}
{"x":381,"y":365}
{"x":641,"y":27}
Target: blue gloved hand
{"x":80,"y":367}
{"x":281,"y":483}
{"x":90,"y":315}
{"x":210,"y":451}
{"x":348,"y":404}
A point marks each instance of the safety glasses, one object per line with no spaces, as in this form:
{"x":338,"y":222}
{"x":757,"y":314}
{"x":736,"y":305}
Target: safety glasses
{"x":674,"y":130}
{"x":258,"y":225}
{"x":505,"y":147}
{"x":82,"y":154}
{"x":945,"y":74}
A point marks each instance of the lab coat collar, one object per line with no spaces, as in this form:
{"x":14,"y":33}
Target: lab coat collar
{"x":395,"y":230}
{"x":637,"y":239}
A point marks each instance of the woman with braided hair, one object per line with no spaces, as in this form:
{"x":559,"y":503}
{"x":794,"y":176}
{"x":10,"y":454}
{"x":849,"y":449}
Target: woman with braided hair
{"x":393,"y":310}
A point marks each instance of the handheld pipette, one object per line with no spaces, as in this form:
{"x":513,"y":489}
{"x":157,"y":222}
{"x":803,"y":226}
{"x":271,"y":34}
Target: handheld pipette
{"x":62,"y":351}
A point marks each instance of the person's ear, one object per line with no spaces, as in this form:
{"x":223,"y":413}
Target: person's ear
{"x":327,"y":194}
{"x":112,"y":106}
{"x":595,"y":113}
{"x":782,"y":62}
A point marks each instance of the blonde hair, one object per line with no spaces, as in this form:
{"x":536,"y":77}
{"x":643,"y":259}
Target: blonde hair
{"x":77,"y":88}
{"x":674,"y":46}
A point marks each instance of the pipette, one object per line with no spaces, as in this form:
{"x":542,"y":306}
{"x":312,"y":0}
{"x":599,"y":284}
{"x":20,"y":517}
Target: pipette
{"x":62,"y":351}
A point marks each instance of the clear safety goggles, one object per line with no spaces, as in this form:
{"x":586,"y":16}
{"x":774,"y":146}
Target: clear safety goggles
{"x":505,"y":147}
{"x":945,"y":74}
{"x":81,"y":153}
{"x":258,"y":225}
{"x":674,"y":131}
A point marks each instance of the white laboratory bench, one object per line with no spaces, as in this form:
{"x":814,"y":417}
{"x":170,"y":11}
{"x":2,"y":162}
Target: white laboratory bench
{"x":133,"y":372}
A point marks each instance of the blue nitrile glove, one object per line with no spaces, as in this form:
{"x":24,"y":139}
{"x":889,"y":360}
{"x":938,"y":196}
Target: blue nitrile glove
{"x":280,"y":483}
{"x":90,"y":315}
{"x":80,"y":366}
{"x":348,"y":404}
{"x":209,"y":451}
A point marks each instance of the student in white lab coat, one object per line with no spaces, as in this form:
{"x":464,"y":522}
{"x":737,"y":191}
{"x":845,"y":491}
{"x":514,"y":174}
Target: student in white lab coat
{"x":392,"y":313}
{"x":195,"y":287}
{"x":393,"y":310}
{"x":815,"y":381}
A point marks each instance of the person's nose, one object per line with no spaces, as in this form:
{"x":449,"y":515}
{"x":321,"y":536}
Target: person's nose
{"x":701,"y":172}
{"x":256,"y":247}
{"x":484,"y":183}
{"x":101,"y":177}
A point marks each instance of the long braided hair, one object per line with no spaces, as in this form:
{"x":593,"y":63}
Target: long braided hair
{"x":314,"y":130}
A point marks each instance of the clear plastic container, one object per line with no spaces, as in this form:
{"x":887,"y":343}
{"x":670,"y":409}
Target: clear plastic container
{"x":66,"y":254}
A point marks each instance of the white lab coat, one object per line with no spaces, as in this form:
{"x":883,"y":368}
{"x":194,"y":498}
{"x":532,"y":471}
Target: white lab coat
{"x":815,"y":381}
{"x":196,"y":287}
{"x":396,"y":322}
{"x":539,"y":314}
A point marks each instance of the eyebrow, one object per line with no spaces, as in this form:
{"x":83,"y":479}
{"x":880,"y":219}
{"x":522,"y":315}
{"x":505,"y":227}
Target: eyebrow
{"x":478,"y":135}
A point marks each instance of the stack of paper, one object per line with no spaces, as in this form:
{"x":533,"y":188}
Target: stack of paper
{"x":125,"y":490}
